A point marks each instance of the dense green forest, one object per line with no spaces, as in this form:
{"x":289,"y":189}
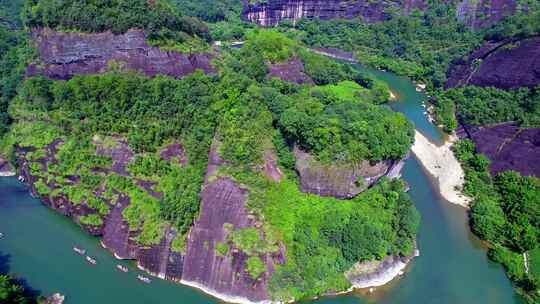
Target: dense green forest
{"x":15,"y":54}
{"x":484,"y":106}
{"x":211,"y":10}
{"x":506,"y":213}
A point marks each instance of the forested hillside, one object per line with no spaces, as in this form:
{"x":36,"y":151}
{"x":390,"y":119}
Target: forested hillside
{"x":121,"y":147}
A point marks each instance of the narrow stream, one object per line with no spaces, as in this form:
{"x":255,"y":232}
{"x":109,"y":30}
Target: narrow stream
{"x":452,"y":269}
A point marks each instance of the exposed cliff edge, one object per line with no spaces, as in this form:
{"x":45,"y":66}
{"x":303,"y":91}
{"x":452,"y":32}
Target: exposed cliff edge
{"x":223,"y":211}
{"x":508,"y":146}
{"x":341,"y":181}
{"x":159,"y":260}
{"x":64,"y":55}
{"x":506,"y":64}
{"x":272,"y":12}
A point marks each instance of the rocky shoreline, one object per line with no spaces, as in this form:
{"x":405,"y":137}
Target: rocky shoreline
{"x":6,"y":169}
{"x":378,"y":273}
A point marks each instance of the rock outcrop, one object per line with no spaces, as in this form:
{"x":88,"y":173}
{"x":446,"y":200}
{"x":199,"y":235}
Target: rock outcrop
{"x":292,"y":71}
{"x":272,"y":12}
{"x":508,"y":146}
{"x":159,"y":260}
{"x":505,"y":64}
{"x":223,"y":209}
{"x":64,"y":55}
{"x":377,"y":273}
{"x":479,"y":14}
{"x":6,"y":169}
{"x":340,"y":181}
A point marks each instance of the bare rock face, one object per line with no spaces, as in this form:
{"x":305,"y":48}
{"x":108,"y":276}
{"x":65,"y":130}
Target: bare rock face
{"x":291,"y":71}
{"x":479,"y":14}
{"x":223,"y":208}
{"x":272,"y":12}
{"x":64,"y":55}
{"x":506,"y":64}
{"x":340,"y":181}
{"x":174,"y":152}
{"x":271,"y":168}
{"x":508,"y":146}
{"x":160,"y":260}
{"x":116,"y":234}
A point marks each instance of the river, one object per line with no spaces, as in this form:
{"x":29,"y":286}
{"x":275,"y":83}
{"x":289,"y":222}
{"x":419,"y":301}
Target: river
{"x":452,"y":268}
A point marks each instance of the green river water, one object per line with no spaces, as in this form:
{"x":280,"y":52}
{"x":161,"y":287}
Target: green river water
{"x":452,"y":268}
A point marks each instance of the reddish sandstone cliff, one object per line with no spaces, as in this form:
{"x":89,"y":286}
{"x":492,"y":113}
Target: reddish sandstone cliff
{"x":63,"y":55}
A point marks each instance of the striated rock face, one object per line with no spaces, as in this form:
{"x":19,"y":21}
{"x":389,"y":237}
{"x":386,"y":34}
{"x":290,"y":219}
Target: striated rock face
{"x":508,"y":146}
{"x":224,"y":204}
{"x":345,"y":181}
{"x":506,"y":64}
{"x":271,"y":12}
{"x":484,"y":13}
{"x":64,"y":55}
{"x":292,"y":71}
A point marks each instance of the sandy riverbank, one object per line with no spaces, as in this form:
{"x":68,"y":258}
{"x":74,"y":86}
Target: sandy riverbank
{"x":443,"y":165}
{"x":393,"y":96}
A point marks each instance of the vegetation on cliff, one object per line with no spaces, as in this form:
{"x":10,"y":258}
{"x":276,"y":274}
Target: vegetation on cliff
{"x":506,"y":213}
{"x":97,"y":140}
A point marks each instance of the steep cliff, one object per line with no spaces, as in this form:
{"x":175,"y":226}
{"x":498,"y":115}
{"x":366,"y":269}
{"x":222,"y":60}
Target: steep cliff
{"x":484,"y":13}
{"x":159,"y":260}
{"x":223,"y":211}
{"x":271,"y":12}
{"x":63,"y":55}
{"x":506,"y":64}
